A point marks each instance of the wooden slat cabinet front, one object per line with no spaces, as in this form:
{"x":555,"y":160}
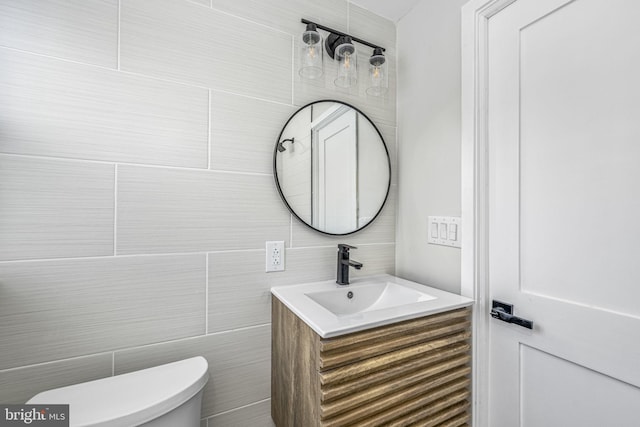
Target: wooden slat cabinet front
{"x":415,"y":372}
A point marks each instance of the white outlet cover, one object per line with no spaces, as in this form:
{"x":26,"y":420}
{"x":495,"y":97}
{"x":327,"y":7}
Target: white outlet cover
{"x":274,"y":259}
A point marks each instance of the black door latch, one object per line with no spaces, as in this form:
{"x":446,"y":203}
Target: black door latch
{"x":504,"y":312}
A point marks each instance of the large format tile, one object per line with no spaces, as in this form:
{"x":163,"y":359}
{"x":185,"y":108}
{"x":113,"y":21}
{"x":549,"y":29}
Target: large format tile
{"x":382,"y":230}
{"x":256,"y":415}
{"x":80,"y":30}
{"x":244,"y":132}
{"x":239,"y":288}
{"x":55,"y":208}
{"x":373,"y":28}
{"x":239,"y":365}
{"x":172,"y":210}
{"x":21,"y":384}
{"x":65,"y":308}
{"x":285,"y":15}
{"x":56,"y":108}
{"x":190,"y":43}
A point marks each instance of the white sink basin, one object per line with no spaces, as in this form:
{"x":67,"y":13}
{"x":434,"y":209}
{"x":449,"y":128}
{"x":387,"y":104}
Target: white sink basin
{"x":367,"y":297}
{"x":375,"y":301}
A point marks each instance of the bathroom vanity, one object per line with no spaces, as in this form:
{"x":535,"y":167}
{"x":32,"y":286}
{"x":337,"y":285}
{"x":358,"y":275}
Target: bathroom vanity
{"x":382,"y":351}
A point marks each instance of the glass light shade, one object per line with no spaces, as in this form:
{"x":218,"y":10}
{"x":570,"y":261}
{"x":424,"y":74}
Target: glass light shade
{"x":378,"y":84}
{"x":347,"y":56}
{"x":311,"y":53}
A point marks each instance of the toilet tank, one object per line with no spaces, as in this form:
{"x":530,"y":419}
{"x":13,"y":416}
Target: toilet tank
{"x":166,"y":395}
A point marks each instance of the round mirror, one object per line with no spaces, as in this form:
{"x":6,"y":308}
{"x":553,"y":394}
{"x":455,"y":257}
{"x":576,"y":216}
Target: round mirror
{"x":332,"y":167}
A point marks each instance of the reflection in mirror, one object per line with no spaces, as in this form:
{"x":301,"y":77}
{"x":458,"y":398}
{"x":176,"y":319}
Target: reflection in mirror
{"x":332,"y":167}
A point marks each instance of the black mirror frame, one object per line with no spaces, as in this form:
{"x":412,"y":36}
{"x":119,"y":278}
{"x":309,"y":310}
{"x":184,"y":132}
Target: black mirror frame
{"x":275,"y":171}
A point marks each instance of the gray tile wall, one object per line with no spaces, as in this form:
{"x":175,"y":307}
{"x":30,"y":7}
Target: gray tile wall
{"x":136,"y":189}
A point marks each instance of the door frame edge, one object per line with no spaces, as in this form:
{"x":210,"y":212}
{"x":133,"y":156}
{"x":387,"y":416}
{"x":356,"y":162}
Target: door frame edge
{"x":474,"y":178}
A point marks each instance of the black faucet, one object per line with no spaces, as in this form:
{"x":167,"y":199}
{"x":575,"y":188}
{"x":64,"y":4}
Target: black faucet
{"x":344,"y":263}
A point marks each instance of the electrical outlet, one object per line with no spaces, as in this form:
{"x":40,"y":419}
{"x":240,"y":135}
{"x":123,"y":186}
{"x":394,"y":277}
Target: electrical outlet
{"x":275,"y":256}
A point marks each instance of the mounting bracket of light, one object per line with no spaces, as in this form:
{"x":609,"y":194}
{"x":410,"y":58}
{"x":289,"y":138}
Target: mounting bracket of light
{"x":335,"y":38}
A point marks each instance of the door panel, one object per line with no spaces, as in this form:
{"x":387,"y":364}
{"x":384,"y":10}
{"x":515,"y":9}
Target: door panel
{"x":557,"y":392}
{"x":563,"y":177}
{"x":579,"y":153}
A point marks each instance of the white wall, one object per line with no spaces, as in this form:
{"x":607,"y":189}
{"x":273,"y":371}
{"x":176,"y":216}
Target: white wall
{"x":428,"y":139}
{"x":136,"y":188}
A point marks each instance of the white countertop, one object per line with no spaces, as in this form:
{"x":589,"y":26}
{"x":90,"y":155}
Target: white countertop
{"x":327,"y":324}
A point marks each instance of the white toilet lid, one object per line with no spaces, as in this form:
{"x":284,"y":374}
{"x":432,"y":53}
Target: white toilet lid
{"x":130,"y":399}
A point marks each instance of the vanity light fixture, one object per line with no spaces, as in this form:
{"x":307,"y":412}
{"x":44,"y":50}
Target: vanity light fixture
{"x":340,"y":47}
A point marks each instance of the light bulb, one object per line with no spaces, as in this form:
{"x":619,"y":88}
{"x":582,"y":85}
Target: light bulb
{"x":311,"y":53}
{"x":347,"y":73}
{"x":378,"y":77}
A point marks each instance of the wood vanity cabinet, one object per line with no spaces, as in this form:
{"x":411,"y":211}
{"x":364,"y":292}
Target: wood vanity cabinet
{"x":415,"y":372}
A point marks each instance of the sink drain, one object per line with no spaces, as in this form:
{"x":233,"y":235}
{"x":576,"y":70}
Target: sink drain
{"x":349,"y":294}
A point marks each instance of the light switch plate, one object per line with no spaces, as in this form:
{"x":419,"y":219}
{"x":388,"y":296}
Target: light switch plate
{"x":444,"y":230}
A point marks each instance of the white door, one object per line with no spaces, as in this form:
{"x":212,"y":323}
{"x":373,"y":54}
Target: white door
{"x":336,"y":201}
{"x":564,"y":212}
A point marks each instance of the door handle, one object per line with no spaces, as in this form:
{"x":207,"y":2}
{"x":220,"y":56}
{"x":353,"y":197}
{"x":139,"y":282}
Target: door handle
{"x":504,"y":312}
